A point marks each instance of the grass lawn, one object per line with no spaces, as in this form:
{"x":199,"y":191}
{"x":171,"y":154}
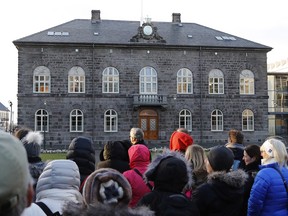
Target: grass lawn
{"x":52,"y":156}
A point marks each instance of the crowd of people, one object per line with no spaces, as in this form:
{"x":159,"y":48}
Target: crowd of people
{"x":232,"y":179}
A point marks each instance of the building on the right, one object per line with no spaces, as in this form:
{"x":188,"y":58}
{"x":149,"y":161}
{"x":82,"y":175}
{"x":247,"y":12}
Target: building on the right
{"x":4,"y":118}
{"x":278,"y":98}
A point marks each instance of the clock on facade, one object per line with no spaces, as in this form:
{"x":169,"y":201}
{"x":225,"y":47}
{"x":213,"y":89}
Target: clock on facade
{"x":148,"y":30}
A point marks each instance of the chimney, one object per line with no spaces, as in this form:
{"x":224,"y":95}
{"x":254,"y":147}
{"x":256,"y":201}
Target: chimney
{"x":176,"y":17}
{"x":95,"y":16}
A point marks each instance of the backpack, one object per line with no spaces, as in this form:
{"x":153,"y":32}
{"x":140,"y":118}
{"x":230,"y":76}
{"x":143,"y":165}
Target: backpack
{"x":177,"y":204}
{"x":47,"y":211}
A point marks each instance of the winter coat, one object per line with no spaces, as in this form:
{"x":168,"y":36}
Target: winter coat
{"x":139,"y":156}
{"x":82,"y":153}
{"x":251,"y":169}
{"x":115,"y":157}
{"x":57,"y":185}
{"x":179,"y":141}
{"x":222,"y":194}
{"x":268,"y":195}
{"x":171,"y":174}
{"x":238,"y":151}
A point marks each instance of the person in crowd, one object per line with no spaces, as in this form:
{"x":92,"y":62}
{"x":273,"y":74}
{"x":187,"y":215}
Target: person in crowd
{"x":32,"y":142}
{"x":139,"y":156}
{"x":125,"y":143}
{"x":115,"y":156}
{"x":106,"y":192}
{"x":171,"y":174}
{"x":16,"y":185}
{"x":180,"y":140}
{"x":137,"y":136}
{"x":82,"y":153}
{"x":197,"y":156}
{"x":269,"y":193}
{"x":58,"y":184}
{"x":222,"y":194}
{"x":21,"y":132}
{"x":235,"y":143}
{"x":252,"y":159}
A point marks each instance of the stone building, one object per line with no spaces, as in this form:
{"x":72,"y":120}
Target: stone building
{"x":99,"y":78}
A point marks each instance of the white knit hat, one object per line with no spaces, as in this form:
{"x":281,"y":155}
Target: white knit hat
{"x":14,"y":174}
{"x":268,"y":148}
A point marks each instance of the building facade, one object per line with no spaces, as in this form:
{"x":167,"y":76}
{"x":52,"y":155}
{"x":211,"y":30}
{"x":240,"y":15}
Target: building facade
{"x":4,"y":118}
{"x":99,"y":78}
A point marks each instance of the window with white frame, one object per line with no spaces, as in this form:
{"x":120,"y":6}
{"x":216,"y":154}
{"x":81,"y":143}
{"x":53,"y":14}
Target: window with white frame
{"x":216,"y":82}
{"x":247,"y":120}
{"x":185,"y":119}
{"x":184,"y":81}
{"x":216,"y":120}
{"x":246,"y":82}
{"x":76,"y":80}
{"x":41,"y":120}
{"x":76,"y":121}
{"x":148,"y":81}
{"x":41,"y":80}
{"x":110,"y":80}
{"x":110,"y":121}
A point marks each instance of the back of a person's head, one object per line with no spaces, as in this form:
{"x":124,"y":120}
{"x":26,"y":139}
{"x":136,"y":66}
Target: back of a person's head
{"x":14,"y":176}
{"x":32,"y":143}
{"x":179,"y":141}
{"x":22,"y":132}
{"x":220,"y":158}
{"x":236,"y":136}
{"x":253,"y":150}
{"x":170,"y":172}
{"x":276,"y":149}
{"x":115,"y":150}
{"x":107,"y":186}
{"x":196,"y":155}
{"x":137,"y":133}
{"x":138,"y":154}
{"x":61,"y":175}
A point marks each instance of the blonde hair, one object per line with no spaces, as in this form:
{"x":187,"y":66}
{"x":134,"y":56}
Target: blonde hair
{"x":196,"y":155}
{"x":279,"y":151}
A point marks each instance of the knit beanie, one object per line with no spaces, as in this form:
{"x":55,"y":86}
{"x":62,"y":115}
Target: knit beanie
{"x":32,"y":143}
{"x":179,"y":141}
{"x":268,"y":148}
{"x":107,"y":186}
{"x":220,"y":158}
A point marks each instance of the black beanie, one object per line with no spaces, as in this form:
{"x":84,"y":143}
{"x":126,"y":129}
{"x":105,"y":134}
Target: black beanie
{"x":220,"y":158}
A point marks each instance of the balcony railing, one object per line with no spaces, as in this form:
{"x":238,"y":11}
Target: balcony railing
{"x":149,"y":100}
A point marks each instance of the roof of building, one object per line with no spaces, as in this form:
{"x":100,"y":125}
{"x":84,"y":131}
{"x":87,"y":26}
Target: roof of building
{"x":3,"y":108}
{"x":117,"y":32}
{"x":278,"y":67}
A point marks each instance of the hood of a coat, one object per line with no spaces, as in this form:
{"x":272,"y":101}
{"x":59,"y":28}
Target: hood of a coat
{"x":179,"y":141}
{"x":115,"y":150}
{"x":139,"y":155}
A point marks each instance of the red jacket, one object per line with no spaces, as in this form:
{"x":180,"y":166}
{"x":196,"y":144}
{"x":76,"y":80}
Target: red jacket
{"x":179,"y":141}
{"x":139,"y":156}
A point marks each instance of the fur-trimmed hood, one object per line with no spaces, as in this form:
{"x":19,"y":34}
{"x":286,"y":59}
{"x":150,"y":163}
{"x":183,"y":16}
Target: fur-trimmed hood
{"x":170,"y":171}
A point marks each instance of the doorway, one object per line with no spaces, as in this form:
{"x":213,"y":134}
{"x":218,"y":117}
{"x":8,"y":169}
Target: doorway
{"x":148,"y":122}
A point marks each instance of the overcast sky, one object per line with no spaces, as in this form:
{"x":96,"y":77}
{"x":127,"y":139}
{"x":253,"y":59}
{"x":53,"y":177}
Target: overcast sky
{"x":261,"y":21}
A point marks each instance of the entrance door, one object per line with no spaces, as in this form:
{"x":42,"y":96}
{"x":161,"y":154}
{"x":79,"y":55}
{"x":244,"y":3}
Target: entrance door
{"x":148,"y":121}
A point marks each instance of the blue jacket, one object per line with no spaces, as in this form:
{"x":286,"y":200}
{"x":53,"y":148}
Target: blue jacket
{"x":268,"y":196}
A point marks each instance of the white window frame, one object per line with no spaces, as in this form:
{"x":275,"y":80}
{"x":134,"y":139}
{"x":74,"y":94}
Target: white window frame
{"x":216,"y":120}
{"x":216,"y":82}
{"x":110,"y":121}
{"x":76,"y":80}
{"x":110,"y":80}
{"x":185,"y":119}
{"x":247,"y":120}
{"x":148,"y":81}
{"x":247,"y":82}
{"x":76,"y":120}
{"x":41,"y":80}
{"x":184,"y":81}
{"x":42,"y":120}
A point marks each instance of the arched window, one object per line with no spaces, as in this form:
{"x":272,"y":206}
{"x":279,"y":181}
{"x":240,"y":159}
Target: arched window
{"x":110,"y":80}
{"x":185,"y":119}
{"x":76,"y":80}
{"x":76,"y":121}
{"x":41,"y":80}
{"x":41,"y":120}
{"x":216,"y":120}
{"x":247,"y":120}
{"x":110,"y":121}
{"x":246,"y":82}
{"x":216,"y":82}
{"x":184,"y":81}
{"x":148,"y":81}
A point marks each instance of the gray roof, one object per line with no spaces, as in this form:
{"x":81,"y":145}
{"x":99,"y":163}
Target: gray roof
{"x":116,"y":32}
{"x":3,"y":108}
